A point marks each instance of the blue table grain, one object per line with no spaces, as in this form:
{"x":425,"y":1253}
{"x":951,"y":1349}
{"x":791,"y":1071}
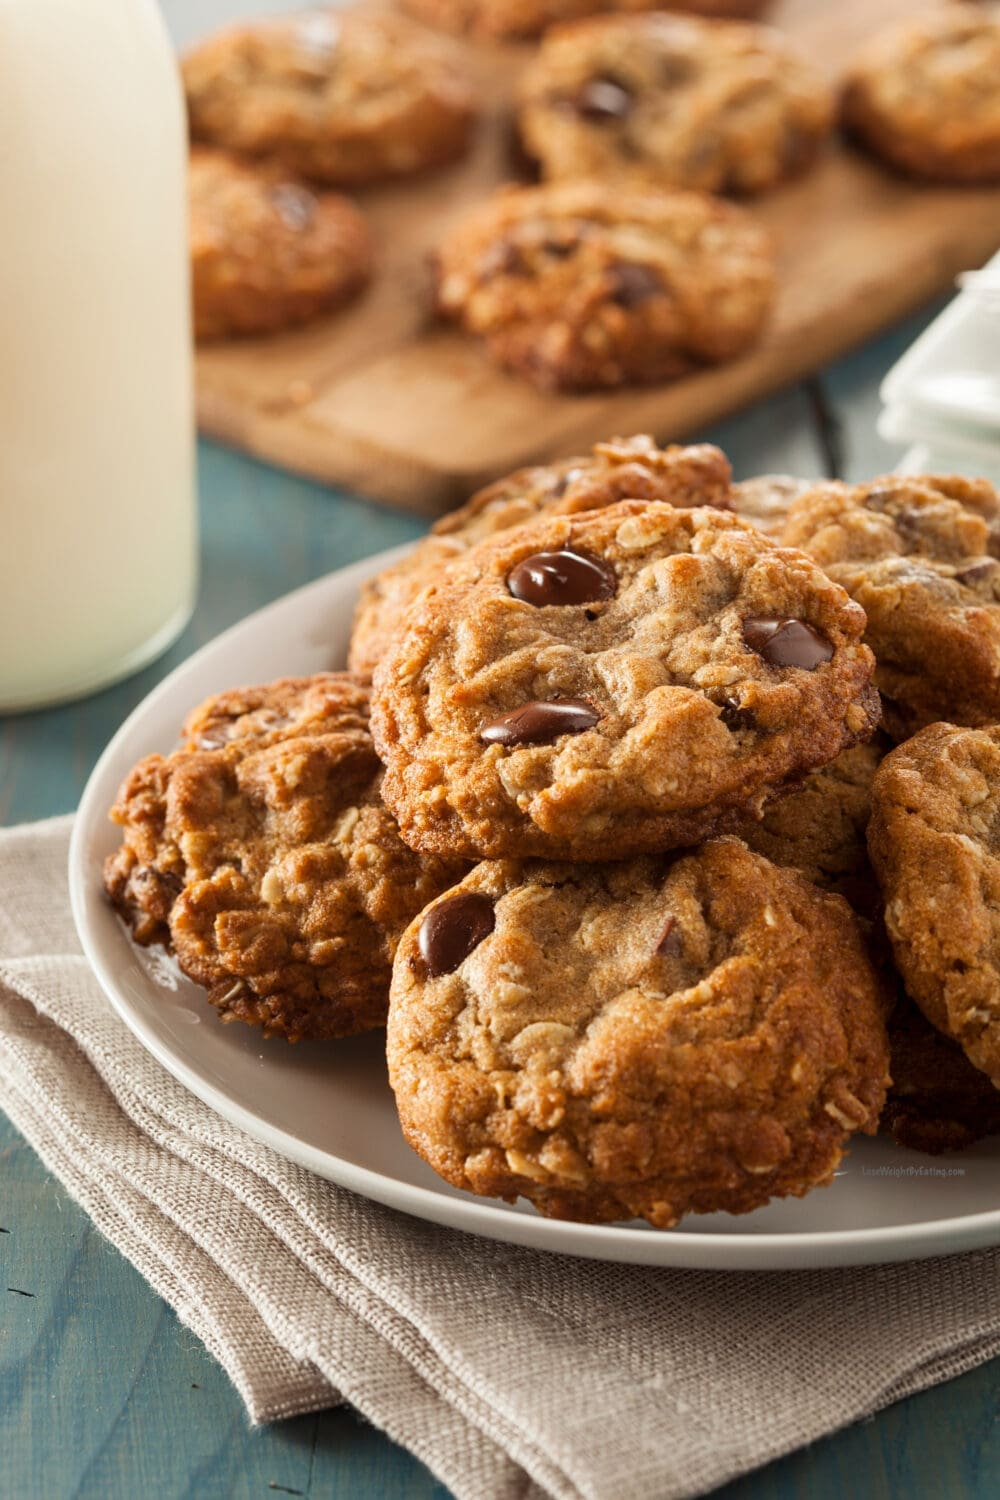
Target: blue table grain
{"x":103,"y":1394}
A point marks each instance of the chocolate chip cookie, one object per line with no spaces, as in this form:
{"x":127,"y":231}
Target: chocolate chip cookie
{"x":934,"y":838}
{"x":715,"y":106}
{"x":924,"y":95}
{"x":938,"y":1100}
{"x":623,"y":468}
{"x":261,"y":853}
{"x":583,"y":285}
{"x":340,"y":96}
{"x":498,"y":19}
{"x":921,"y":555}
{"x":266,"y":251}
{"x":645,"y":1040}
{"x":819,"y":828}
{"x":614,"y":683}
{"x":765,"y":500}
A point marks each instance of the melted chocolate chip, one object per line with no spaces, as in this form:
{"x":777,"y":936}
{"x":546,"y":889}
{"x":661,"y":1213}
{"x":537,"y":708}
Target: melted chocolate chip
{"x":157,"y":889}
{"x":735,"y":716}
{"x":452,"y":929}
{"x":219,"y":732}
{"x":539,"y":723}
{"x":561,"y":249}
{"x":787,"y":643}
{"x":880,"y":497}
{"x":295,"y":204}
{"x":632,"y":284}
{"x":562,"y":484}
{"x":979,"y":571}
{"x":502,"y":258}
{"x":215,"y":739}
{"x":569,"y":576}
{"x":670,"y":942}
{"x":908,"y":522}
{"x":602,"y":99}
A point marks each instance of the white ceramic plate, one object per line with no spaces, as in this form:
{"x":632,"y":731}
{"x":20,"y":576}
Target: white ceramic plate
{"x":328,"y":1105}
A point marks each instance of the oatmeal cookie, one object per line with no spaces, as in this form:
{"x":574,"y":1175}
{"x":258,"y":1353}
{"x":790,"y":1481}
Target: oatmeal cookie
{"x":819,"y":828}
{"x":920,"y":555}
{"x":493,"y":20}
{"x":339,"y":96}
{"x":614,"y":683}
{"x":925,"y":95}
{"x":268,"y":252}
{"x":938,"y":1100}
{"x":645,"y":1040}
{"x":715,"y":106}
{"x":766,"y":498}
{"x":583,"y":285}
{"x":621,"y":469}
{"x":934,"y":839}
{"x":260,"y":852}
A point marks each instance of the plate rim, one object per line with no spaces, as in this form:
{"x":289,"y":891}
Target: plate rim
{"x":614,"y":1243}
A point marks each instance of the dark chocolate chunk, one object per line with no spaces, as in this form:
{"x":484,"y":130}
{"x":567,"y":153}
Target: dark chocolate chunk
{"x":880,"y":497}
{"x":452,"y":929}
{"x":539,"y":723}
{"x":787,"y":643}
{"x":735,"y":716}
{"x":502,"y":258}
{"x":562,"y":484}
{"x":295,"y":204}
{"x":216,"y":734}
{"x":569,"y":576}
{"x":632,"y":283}
{"x":602,"y":99}
{"x":978,"y":571}
{"x":670,"y":942}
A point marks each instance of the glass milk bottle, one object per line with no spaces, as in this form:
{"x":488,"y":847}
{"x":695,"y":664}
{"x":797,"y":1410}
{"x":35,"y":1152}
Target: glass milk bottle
{"x":97,"y":512}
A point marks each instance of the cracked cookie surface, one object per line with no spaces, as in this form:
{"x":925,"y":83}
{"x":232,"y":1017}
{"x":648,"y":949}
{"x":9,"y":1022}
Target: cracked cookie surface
{"x":921,"y":555}
{"x":585,"y":284}
{"x":621,"y":469}
{"x":721,"y":108}
{"x":613,"y":683}
{"x":934,"y":838}
{"x":266,"y":251}
{"x":924,"y":95}
{"x":261,"y":854}
{"x":639,"y":1040}
{"x":341,"y":97}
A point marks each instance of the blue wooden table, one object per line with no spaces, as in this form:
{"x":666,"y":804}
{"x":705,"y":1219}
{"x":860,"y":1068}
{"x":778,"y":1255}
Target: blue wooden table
{"x":103,"y":1395}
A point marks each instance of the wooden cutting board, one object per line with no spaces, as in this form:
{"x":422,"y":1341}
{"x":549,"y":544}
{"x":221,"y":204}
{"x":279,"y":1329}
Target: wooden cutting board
{"x":382,"y":400}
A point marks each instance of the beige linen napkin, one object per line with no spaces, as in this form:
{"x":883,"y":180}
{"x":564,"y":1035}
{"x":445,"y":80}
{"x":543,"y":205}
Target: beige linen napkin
{"x":510,"y":1373}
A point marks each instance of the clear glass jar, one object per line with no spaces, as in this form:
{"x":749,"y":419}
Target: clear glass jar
{"x":98,"y":531}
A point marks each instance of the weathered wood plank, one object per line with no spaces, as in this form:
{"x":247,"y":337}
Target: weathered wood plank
{"x":857,"y":248}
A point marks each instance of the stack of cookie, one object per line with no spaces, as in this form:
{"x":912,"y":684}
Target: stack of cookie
{"x":283,"y":111}
{"x":586,"y":820}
